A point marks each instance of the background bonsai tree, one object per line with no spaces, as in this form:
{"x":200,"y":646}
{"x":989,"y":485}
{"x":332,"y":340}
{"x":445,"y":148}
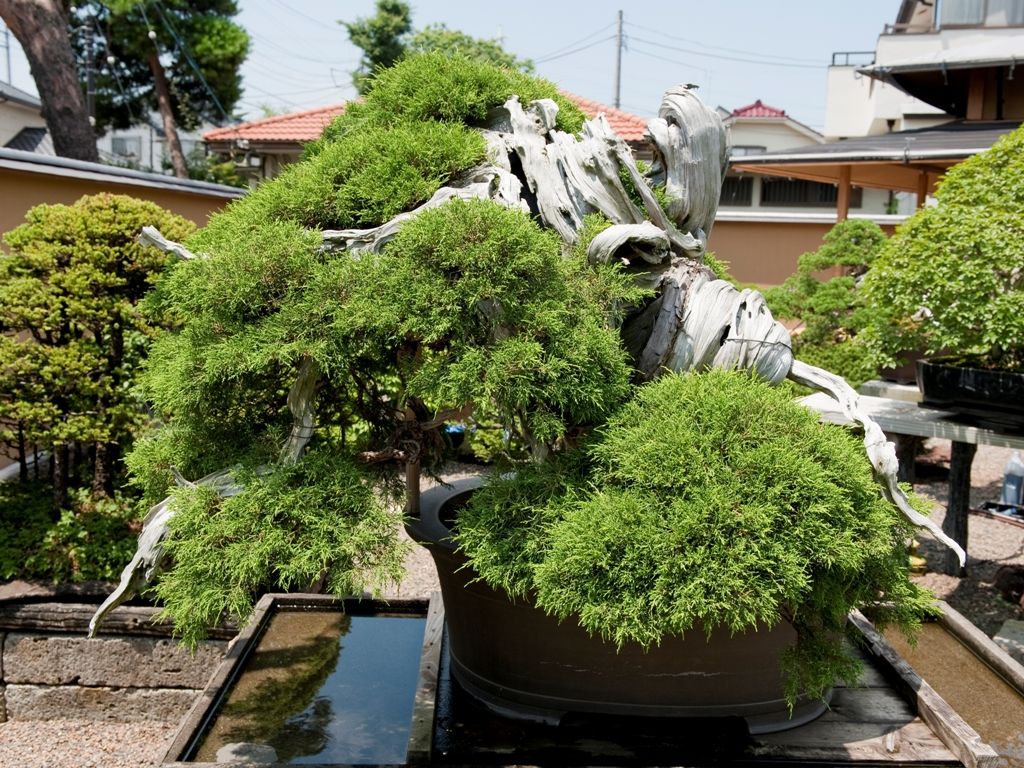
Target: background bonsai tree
{"x":952,"y":276}
{"x":831,"y":306}
{"x":73,"y":332}
{"x":449,"y":251}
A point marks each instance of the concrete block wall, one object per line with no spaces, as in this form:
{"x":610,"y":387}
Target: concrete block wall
{"x":45,"y":676}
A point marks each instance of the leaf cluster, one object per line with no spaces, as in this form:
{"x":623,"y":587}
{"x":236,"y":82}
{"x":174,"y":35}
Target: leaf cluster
{"x":73,"y":319}
{"x":708,"y":500}
{"x":952,"y":276}
{"x":319,"y":521}
{"x":824,"y":295}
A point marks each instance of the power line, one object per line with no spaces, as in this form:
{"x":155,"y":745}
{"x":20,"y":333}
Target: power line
{"x":297,"y":12}
{"x":722,"y":48}
{"x":763,"y":62}
{"x":577,"y":42}
{"x":686,"y":64}
{"x":292,"y":54}
{"x":577,"y":50}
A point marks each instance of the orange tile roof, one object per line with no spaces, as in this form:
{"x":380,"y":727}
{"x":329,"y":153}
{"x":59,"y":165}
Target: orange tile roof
{"x":628,"y":126}
{"x":291,"y":128}
{"x":758,"y":109}
{"x":308,"y":125}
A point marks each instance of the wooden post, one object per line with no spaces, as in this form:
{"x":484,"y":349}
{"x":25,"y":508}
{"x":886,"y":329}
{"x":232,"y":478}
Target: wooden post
{"x":955,"y":523}
{"x":843,"y":197}
{"x":976,"y":95}
{"x":922,"y":188}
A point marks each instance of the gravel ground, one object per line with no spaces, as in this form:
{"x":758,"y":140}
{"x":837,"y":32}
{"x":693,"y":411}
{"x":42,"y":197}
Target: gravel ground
{"x":992,"y":543}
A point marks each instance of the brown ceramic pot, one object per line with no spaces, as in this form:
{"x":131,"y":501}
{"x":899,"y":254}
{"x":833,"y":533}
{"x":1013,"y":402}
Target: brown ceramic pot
{"x":522,"y":662}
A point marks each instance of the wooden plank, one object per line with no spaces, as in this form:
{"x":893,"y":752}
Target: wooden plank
{"x":911,"y":742}
{"x":194,"y":723}
{"x":421,"y":732}
{"x":868,"y":705}
{"x":891,"y":390}
{"x":904,"y":418}
{"x":962,"y":740}
{"x":998,"y":660}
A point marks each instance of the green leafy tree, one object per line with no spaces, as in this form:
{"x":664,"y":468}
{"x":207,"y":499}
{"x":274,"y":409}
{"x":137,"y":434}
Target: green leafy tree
{"x":180,"y":58}
{"x":952,"y":276}
{"x":387,"y":36}
{"x":823,"y":294}
{"x":74,"y":333}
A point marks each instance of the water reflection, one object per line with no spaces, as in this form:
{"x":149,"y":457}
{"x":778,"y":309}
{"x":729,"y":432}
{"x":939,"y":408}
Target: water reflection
{"x":324,"y":687}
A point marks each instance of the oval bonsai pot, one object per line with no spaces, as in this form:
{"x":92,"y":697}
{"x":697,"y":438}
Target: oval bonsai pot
{"x":523,"y":663}
{"x":991,"y":397}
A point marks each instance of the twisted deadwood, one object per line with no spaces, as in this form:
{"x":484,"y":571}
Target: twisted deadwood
{"x":693,"y":322}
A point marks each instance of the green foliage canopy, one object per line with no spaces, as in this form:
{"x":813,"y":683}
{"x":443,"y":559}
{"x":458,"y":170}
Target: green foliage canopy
{"x":952,"y":277}
{"x":832,"y":308}
{"x":73,"y":328}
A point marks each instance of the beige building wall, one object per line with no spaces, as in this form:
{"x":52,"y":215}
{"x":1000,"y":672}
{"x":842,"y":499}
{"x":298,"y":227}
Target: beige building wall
{"x":14,"y":117}
{"x":764,"y":252}
{"x":20,"y":191}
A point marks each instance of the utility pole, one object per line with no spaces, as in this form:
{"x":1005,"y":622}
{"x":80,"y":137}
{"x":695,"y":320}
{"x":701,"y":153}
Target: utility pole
{"x":618,"y":62}
{"x":7,"y":52}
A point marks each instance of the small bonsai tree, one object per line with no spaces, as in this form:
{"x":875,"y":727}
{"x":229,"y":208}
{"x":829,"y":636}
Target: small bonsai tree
{"x":491,"y":265}
{"x":951,"y":276}
{"x":73,"y":332}
{"x":831,"y":306}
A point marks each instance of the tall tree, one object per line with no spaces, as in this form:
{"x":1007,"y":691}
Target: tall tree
{"x":180,"y":58}
{"x":388,"y":35}
{"x":40,"y":26}
{"x":381,"y":37}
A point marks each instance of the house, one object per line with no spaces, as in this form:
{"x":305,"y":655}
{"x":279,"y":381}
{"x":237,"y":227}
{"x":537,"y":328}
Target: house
{"x":765,"y":222}
{"x":260,"y":148}
{"x":939,"y":88}
{"x":22,"y":125}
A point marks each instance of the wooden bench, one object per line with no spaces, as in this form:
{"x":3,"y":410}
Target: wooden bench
{"x":904,"y":416}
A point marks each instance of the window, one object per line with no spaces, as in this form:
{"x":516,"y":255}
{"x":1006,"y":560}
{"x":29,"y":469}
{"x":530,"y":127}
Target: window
{"x":804,"y":194}
{"x":127,"y":146}
{"x":737,"y":190}
{"x":739,"y":150}
{"x":982,"y":13}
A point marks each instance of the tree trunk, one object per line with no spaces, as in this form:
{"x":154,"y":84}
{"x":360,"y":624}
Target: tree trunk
{"x":163,"y":101}
{"x":41,"y":26}
{"x":22,"y":454}
{"x":60,"y":477}
{"x":103,"y":468}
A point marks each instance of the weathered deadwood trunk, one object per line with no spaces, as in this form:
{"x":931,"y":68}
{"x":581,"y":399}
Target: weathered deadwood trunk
{"x":41,"y":27}
{"x":163,"y":102}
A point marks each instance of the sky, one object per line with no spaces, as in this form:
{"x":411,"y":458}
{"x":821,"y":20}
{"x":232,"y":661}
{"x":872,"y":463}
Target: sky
{"x":736,"y":51}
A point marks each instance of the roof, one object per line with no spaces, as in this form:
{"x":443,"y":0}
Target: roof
{"x":33,"y":162}
{"x":293,"y":127}
{"x":299,"y":127}
{"x":626,"y":125}
{"x":758,"y":109}
{"x":34,"y":139}
{"x":887,"y":161}
{"x":9,"y":93}
{"x":993,"y":52}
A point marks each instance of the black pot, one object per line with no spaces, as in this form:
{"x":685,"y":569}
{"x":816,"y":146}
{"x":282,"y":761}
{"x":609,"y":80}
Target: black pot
{"x":988,"y":397}
{"x":521,"y":662}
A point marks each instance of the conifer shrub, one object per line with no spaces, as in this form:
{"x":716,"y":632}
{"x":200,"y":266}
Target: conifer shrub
{"x":832,"y":308}
{"x":950,"y":278}
{"x":709,"y":500}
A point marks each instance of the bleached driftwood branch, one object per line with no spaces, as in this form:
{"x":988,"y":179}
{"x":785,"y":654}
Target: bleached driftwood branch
{"x":152,"y":236}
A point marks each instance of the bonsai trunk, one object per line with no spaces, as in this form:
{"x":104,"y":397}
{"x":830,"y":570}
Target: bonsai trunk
{"x":163,"y":100}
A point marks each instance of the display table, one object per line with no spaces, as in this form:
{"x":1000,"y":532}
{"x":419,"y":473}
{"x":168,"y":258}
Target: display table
{"x":899,"y":417}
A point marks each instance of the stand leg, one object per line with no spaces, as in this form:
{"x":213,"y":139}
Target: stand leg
{"x":906,"y":454}
{"x":955,"y":524}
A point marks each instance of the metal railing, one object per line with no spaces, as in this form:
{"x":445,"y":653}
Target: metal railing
{"x":853,"y":58}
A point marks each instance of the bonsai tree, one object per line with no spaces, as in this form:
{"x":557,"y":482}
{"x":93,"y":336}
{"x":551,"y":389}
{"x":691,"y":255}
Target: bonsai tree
{"x":461,"y":247}
{"x":830,"y":305}
{"x":73,"y":332}
{"x":950,"y":277}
